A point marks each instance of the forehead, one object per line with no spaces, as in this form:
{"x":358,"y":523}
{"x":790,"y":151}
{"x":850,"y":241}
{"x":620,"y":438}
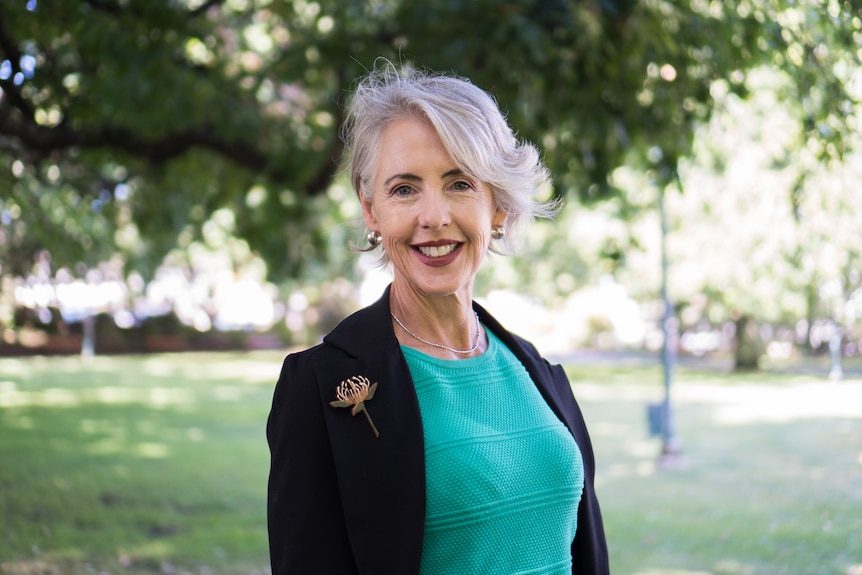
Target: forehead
{"x":407,"y":133}
{"x":411,"y":143}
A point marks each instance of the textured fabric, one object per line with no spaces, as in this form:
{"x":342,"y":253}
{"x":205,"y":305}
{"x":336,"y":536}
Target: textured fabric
{"x":503,"y":475}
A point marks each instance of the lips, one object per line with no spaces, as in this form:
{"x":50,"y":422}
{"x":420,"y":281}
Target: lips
{"x":438,"y":254}
{"x":437,"y":251}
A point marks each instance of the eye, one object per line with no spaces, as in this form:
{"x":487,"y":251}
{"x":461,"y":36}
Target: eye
{"x":402,"y":191}
{"x":461,"y":186}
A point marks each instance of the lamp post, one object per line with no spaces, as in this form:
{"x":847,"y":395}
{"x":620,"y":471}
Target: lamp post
{"x":671,"y":449}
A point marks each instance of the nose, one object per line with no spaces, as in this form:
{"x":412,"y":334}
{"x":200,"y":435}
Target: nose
{"x":434,"y":210}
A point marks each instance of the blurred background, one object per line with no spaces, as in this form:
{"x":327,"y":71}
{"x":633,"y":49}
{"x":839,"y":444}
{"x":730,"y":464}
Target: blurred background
{"x":171,"y":176}
{"x":171,"y":179}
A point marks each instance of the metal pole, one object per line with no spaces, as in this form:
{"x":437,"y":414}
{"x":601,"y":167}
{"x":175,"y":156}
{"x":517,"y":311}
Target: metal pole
{"x":836,"y":371}
{"x":671,"y":447}
{"x":88,"y":341}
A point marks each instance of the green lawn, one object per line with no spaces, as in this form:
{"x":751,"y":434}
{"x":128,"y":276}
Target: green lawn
{"x":157,"y":464}
{"x":770,"y":482}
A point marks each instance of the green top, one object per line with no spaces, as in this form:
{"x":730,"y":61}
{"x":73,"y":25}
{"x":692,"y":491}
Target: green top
{"x":503,"y":475}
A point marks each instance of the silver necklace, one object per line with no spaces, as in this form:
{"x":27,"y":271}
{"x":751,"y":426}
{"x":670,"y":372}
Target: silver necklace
{"x":441,"y":346}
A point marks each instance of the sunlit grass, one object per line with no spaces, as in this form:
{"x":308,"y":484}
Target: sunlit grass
{"x":157,"y":464}
{"x":135,"y":464}
{"x":769,"y":482}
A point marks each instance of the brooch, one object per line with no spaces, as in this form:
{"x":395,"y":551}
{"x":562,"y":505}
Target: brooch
{"x":354,"y":392}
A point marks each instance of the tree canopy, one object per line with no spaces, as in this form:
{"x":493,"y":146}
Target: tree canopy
{"x":126,"y":124}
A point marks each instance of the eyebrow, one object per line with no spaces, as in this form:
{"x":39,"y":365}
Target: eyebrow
{"x":414,"y":178}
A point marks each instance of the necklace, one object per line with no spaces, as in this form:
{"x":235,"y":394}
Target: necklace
{"x":441,"y":346}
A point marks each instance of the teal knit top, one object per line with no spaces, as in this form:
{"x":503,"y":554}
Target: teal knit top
{"x":503,"y":475}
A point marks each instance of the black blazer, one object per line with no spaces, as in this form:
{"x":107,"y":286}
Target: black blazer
{"x":344,"y":502}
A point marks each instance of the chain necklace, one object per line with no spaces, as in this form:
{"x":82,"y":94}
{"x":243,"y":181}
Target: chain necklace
{"x":441,"y":346}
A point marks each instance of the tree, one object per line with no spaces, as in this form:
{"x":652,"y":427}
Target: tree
{"x":124,"y":124}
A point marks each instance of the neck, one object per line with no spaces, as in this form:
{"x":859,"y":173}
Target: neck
{"x":444,"y":327}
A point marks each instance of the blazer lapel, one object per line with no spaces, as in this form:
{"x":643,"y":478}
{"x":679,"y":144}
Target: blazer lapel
{"x":382,"y":479}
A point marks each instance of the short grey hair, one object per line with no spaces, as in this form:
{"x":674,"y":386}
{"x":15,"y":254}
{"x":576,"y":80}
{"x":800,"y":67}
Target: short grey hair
{"x":471,"y":128}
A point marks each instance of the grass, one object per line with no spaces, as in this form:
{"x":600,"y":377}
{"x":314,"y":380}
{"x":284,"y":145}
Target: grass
{"x":770,"y":481}
{"x":134,"y":464}
{"x":140,"y":465}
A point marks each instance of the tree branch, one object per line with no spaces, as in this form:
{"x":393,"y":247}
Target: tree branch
{"x":203,"y":8}
{"x":42,"y":141}
{"x":116,"y":8}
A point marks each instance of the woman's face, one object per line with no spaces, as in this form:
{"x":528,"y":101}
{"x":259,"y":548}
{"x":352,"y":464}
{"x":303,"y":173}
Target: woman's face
{"x":435,"y":220}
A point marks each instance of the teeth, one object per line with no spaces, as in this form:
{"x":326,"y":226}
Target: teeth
{"x":437,"y":251}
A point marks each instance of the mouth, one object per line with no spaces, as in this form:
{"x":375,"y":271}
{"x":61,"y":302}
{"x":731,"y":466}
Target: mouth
{"x":437,"y":251}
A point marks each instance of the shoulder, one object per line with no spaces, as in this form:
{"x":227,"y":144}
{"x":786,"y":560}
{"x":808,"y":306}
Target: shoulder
{"x":366,"y":333}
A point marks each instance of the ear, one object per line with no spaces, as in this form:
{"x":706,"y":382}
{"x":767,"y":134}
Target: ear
{"x":367,"y":212}
{"x":499,"y":217}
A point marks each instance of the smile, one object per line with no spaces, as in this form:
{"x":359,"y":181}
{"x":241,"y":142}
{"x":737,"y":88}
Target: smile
{"x":437,"y":251}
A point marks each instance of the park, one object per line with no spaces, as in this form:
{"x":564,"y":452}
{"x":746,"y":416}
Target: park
{"x":176,"y":217}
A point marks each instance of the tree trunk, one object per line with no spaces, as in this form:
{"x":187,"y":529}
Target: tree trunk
{"x":749,"y":345}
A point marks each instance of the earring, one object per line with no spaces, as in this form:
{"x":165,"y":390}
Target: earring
{"x":497,"y":232}
{"x":374,"y":238}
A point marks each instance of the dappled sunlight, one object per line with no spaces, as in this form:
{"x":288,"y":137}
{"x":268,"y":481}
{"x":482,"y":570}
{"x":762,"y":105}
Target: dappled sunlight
{"x":642,"y":468}
{"x":129,"y":380}
{"x":247,"y":368}
{"x":21,"y":422}
{"x":639,"y":452}
{"x":195,"y":434}
{"x":154,"y":397}
{"x":114,"y":437}
{"x":162,"y":397}
{"x":151,"y":450}
{"x":151,"y":459}
{"x":10,"y":396}
{"x":726,"y":567}
{"x":147,"y":552}
{"x":134,"y":462}
{"x":609,"y":429}
{"x":642,"y":449}
{"x":55,"y":397}
{"x":615,"y":392}
{"x":107,"y":446}
{"x":228,"y":393}
{"x":733,"y":567}
{"x":16,"y":366}
{"x":752,"y":403}
{"x":807,"y":398}
{"x":31,"y":567}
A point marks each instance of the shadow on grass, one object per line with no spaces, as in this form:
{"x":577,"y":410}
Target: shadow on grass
{"x":135,"y":464}
{"x":771,"y":481}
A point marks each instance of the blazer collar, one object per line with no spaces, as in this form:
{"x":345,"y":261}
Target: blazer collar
{"x":369,"y":332}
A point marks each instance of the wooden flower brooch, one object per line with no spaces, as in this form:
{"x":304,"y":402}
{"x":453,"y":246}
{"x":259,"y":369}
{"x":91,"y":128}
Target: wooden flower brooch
{"x":354,"y":392}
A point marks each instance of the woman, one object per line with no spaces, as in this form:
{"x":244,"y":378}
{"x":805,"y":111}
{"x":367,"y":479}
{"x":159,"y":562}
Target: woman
{"x":467,"y":452}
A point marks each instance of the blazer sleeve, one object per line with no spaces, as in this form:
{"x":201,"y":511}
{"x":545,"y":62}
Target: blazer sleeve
{"x":589,"y":549}
{"x":307,"y":532}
